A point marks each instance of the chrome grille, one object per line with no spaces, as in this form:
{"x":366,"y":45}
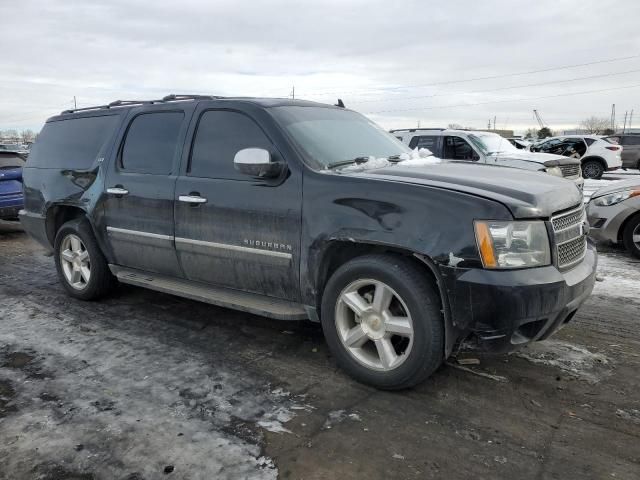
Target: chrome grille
{"x":570,"y":170}
{"x":569,"y":237}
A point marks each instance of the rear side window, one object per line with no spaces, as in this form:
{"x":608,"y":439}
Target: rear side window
{"x":220,"y":135}
{"x":151,"y":142}
{"x":73,"y":144}
{"x":630,"y":140}
{"x":424,"y":141}
{"x":589,"y":141}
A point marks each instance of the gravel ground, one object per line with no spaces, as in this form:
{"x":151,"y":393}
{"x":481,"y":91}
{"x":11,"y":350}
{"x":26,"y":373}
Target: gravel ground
{"x":144,"y":385}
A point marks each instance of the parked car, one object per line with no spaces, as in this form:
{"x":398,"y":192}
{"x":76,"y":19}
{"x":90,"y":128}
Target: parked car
{"x":596,"y":155}
{"x":294,"y":210}
{"x":630,"y":149}
{"x":489,"y":148}
{"x":520,"y":143}
{"x":11,"y":199}
{"x":614,"y":214}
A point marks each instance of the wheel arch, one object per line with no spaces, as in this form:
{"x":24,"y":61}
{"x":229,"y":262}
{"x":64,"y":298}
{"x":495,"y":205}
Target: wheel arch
{"x":624,"y":224}
{"x":338,"y":252}
{"x":600,"y":160}
{"x":59,"y":214}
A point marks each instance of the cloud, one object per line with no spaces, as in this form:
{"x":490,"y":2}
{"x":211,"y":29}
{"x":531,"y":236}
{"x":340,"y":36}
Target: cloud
{"x":359,"y":50}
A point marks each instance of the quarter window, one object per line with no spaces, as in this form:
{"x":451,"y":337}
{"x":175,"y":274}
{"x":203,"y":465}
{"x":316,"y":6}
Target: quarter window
{"x":151,"y":143}
{"x":424,"y":141}
{"x":220,"y":135}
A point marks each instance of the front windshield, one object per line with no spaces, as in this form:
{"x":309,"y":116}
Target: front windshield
{"x":330,"y":135}
{"x":491,"y":143}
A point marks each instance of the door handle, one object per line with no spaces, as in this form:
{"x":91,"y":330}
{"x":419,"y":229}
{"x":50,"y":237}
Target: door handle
{"x":195,"y":199}
{"x":117,"y":191}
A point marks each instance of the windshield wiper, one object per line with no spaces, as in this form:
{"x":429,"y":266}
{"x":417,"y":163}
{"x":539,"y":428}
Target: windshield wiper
{"x":342,"y":163}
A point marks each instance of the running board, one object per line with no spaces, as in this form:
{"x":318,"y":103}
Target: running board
{"x":222,"y":297}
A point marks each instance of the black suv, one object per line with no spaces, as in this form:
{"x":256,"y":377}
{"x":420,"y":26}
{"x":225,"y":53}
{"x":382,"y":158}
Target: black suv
{"x":295,"y":210}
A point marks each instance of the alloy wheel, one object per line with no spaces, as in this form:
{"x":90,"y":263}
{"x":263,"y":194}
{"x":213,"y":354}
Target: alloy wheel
{"x":374,"y":324}
{"x":75,"y":262}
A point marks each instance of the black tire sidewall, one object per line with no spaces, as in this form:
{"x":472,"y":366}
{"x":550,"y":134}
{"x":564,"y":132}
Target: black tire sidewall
{"x":427,"y":352}
{"x":100,"y":280}
{"x":627,"y":236}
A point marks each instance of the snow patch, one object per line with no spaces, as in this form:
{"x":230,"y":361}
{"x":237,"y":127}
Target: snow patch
{"x":338,"y":416}
{"x":575,"y":360}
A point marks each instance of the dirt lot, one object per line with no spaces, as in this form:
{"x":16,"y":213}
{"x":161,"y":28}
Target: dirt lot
{"x":145,"y":385}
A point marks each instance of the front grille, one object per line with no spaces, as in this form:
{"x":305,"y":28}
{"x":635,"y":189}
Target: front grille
{"x":569,"y":237}
{"x":570,"y":170}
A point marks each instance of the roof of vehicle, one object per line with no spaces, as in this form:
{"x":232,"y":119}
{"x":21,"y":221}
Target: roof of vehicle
{"x":442,"y":131}
{"x":173,"y":98}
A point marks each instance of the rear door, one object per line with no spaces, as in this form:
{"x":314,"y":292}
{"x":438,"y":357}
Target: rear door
{"x":139,"y":189}
{"x":430,"y":142}
{"x":233,"y":230}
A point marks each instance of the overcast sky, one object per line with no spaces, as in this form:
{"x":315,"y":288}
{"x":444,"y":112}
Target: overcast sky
{"x":398,"y":62}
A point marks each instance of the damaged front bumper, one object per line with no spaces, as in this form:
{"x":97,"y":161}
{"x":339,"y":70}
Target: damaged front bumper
{"x":502,"y":310}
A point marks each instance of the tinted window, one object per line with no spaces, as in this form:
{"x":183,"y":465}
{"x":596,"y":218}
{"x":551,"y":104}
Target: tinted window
{"x":630,"y":140}
{"x":151,"y":142}
{"x":73,"y":144}
{"x":424,"y":141}
{"x":457,"y":148}
{"x":220,"y":135}
{"x":589,"y":140}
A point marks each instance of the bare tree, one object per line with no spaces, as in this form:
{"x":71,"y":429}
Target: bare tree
{"x":595,"y":125}
{"x":27,"y":136}
{"x":531,"y":133}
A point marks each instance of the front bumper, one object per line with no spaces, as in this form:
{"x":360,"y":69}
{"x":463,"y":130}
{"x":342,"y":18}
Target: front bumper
{"x":605,"y":222}
{"x":502,"y":310}
{"x":10,"y":206}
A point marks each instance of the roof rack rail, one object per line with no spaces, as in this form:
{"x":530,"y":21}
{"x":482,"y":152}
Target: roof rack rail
{"x":417,"y":128}
{"x":128,"y":103}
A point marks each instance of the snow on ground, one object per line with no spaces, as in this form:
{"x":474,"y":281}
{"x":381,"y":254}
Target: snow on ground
{"x":173,"y":409}
{"x":591,"y":186}
{"x":619,"y":276}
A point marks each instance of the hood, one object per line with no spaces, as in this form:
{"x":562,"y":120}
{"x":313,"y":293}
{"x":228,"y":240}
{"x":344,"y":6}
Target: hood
{"x":546,"y":159}
{"x":617,"y":186}
{"x":526,"y":194}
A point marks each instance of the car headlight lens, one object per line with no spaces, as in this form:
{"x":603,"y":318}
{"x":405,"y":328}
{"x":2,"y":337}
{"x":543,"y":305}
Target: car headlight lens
{"x":616,"y":197}
{"x":513,"y":244}
{"x":556,"y":171}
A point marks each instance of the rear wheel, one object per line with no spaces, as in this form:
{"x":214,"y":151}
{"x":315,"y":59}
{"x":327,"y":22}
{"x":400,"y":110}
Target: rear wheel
{"x":82,"y":268}
{"x":631,"y":236}
{"x":592,"y":169}
{"x":381,"y":319}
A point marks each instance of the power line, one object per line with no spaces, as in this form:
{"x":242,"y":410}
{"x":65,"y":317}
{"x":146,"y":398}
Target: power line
{"x":449,"y":94}
{"x":505,"y":101}
{"x":489,"y":77}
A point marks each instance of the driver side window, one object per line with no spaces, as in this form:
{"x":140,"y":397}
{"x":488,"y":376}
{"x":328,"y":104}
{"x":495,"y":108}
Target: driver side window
{"x":456,"y":148}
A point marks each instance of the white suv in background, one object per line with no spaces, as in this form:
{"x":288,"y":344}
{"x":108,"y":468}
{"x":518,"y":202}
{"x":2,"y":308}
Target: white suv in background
{"x":596,"y":154}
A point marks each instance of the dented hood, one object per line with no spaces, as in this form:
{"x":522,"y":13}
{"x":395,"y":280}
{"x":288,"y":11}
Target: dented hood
{"x":526,"y":194}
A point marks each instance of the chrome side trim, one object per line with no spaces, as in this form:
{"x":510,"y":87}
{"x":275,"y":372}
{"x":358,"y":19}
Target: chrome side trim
{"x":138,"y":233}
{"x":234,"y":248}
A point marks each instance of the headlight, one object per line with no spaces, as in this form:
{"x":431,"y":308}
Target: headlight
{"x":616,"y":197}
{"x":513,"y":244}
{"x":556,"y":171}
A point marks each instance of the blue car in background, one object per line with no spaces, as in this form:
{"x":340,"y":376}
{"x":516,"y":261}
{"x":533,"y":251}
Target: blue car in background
{"x":11,"y":198}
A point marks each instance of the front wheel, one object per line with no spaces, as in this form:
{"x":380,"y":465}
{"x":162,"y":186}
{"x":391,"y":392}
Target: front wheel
{"x":382,"y":322}
{"x":82,"y":268}
{"x":592,"y":169}
{"x":631,"y":236}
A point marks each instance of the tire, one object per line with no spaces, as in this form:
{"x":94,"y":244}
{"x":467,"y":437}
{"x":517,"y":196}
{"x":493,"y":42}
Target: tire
{"x":413,"y":297}
{"x":632,"y":228}
{"x":592,"y":169}
{"x":99,"y":281}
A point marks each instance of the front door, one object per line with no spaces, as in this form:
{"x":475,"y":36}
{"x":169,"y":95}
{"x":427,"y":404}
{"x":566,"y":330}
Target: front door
{"x":457,"y":148}
{"x":233,"y":230}
{"x":139,"y":191}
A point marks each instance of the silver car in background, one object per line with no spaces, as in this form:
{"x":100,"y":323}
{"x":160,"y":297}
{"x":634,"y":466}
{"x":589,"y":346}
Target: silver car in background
{"x":614,"y":214}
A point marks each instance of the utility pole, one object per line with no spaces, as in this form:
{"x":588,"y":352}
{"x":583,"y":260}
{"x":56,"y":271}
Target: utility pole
{"x":630,"y":118}
{"x":494,"y":122}
{"x":293,"y":92}
{"x":75,"y":105}
{"x":624,"y":127}
{"x":613,"y":117}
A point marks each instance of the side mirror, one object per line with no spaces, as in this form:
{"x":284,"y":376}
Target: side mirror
{"x":257,"y":162}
